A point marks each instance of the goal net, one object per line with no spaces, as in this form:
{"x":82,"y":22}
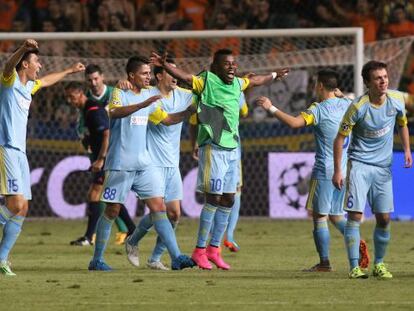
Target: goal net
{"x":274,"y":182}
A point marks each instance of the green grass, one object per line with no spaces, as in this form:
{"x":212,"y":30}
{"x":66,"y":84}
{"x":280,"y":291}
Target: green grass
{"x":266,"y":273}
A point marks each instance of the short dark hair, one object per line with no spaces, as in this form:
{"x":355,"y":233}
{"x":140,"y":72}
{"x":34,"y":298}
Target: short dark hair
{"x":75,"y":85}
{"x":158,"y":69}
{"x":135,"y":62}
{"x":220,"y":53}
{"x":92,"y":68}
{"x":26,"y":57}
{"x":329,"y":79}
{"x":370,"y":66}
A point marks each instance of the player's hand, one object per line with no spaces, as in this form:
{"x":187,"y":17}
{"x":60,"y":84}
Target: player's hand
{"x":158,"y":60}
{"x":30,"y":44}
{"x":337,"y":180}
{"x":124,"y":85}
{"x":282,"y":73}
{"x":249,"y":75}
{"x":408,"y":160}
{"x":194,"y":154}
{"x":264,"y":102}
{"x":78,"y":67}
{"x":338,"y":93}
{"x":97,"y":165}
{"x":149,"y":101}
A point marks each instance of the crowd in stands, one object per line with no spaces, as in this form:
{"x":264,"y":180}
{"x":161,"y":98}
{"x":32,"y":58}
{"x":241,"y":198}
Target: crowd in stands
{"x":381,"y":19}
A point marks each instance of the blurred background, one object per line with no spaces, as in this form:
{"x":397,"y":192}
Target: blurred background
{"x":275,"y":185}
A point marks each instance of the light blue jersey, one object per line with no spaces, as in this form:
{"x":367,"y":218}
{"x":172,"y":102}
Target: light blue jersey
{"x":15,"y":100}
{"x":326,"y":117}
{"x":163,"y":142}
{"x":128,"y":139}
{"x":372,"y":128}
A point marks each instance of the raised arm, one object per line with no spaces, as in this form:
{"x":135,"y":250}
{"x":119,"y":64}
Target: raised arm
{"x":52,"y":78}
{"x":337,"y":179}
{"x":15,"y":58}
{"x":118,"y":112}
{"x":292,"y":122}
{"x":180,"y":74}
{"x":257,"y":80}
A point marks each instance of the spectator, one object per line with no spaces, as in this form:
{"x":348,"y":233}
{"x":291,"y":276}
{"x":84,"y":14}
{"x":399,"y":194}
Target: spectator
{"x":193,"y":10}
{"x":60,"y":21}
{"x":387,"y":7}
{"x":8,"y":9}
{"x":361,"y":16}
{"x":401,"y":26}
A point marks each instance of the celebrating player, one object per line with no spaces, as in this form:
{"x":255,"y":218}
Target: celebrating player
{"x":101,"y":93}
{"x":218,"y":137}
{"x":371,"y":119}
{"x":128,"y":164}
{"x":163,"y":143}
{"x":18,"y":82}
{"x":324,"y":200}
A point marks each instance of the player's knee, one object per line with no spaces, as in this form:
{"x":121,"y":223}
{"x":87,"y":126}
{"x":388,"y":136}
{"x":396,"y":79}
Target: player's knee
{"x":112,"y":210}
{"x":383,"y":220}
{"x":227,"y":200}
{"x":17,"y":205}
{"x":213,"y":199}
{"x":156,"y":205}
{"x":173,"y":215}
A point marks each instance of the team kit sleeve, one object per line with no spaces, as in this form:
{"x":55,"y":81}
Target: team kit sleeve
{"x":157,"y":115}
{"x":401,"y":113}
{"x":198,"y":84}
{"x":311,"y":115}
{"x":244,"y":83}
{"x":8,"y":81}
{"x":350,"y":118}
{"x":36,"y":86}
{"x":116,"y":99}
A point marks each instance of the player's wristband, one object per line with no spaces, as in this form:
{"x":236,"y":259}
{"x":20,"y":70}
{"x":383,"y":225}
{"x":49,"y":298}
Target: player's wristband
{"x":274,"y":75}
{"x":272,"y":109}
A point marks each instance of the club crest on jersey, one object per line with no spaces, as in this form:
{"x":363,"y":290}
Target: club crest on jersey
{"x":139,"y":120}
{"x":345,"y":127}
{"x":391,"y":112}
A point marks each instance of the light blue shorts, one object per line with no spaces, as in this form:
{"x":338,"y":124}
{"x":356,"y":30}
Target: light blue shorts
{"x":324,"y":198}
{"x":218,"y":170}
{"x":368,"y":181}
{"x":145,"y":183}
{"x":172,"y":183}
{"x":14,"y":173}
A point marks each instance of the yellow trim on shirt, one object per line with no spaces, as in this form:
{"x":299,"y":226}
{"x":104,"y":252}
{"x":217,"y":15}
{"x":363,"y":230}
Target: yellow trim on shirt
{"x":198,"y":84}
{"x":347,"y":124}
{"x":8,"y":81}
{"x":37,"y":86}
{"x":193,"y":119}
{"x":244,"y":111}
{"x":245,"y":83}
{"x":158,"y":116}
{"x":402,"y":121}
{"x":309,"y":118}
{"x":115,"y":100}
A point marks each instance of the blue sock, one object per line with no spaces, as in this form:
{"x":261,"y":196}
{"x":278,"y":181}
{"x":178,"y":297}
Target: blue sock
{"x":160,"y":246}
{"x":340,"y":225}
{"x":234,"y":217}
{"x":103,"y":232}
{"x":221,"y":219}
{"x":321,"y":238}
{"x":206,"y":220}
{"x":165,"y":231}
{"x":11,"y":232}
{"x":5,"y":214}
{"x":381,"y":240}
{"x":352,"y":239}
{"x":141,"y":230}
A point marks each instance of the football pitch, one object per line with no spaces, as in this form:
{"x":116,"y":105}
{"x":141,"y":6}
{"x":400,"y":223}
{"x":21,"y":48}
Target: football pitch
{"x":265,"y":275}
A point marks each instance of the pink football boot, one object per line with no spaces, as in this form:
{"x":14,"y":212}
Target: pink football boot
{"x":213,"y":254}
{"x":199,"y":256}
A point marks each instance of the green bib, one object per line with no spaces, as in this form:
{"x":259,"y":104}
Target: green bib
{"x":218,"y":112}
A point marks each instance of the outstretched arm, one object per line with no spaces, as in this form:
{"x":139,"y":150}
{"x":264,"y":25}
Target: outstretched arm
{"x":257,"y":80}
{"x":52,"y":78}
{"x":292,"y":122}
{"x":180,"y":74}
{"x":11,"y":63}
{"x":174,"y":118}
{"x":124,"y":111}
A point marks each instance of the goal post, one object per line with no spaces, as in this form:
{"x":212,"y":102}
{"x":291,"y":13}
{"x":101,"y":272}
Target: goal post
{"x":276,"y":159}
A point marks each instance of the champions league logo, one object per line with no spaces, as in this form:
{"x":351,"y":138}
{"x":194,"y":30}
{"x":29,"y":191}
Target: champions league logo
{"x":294,"y":184}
